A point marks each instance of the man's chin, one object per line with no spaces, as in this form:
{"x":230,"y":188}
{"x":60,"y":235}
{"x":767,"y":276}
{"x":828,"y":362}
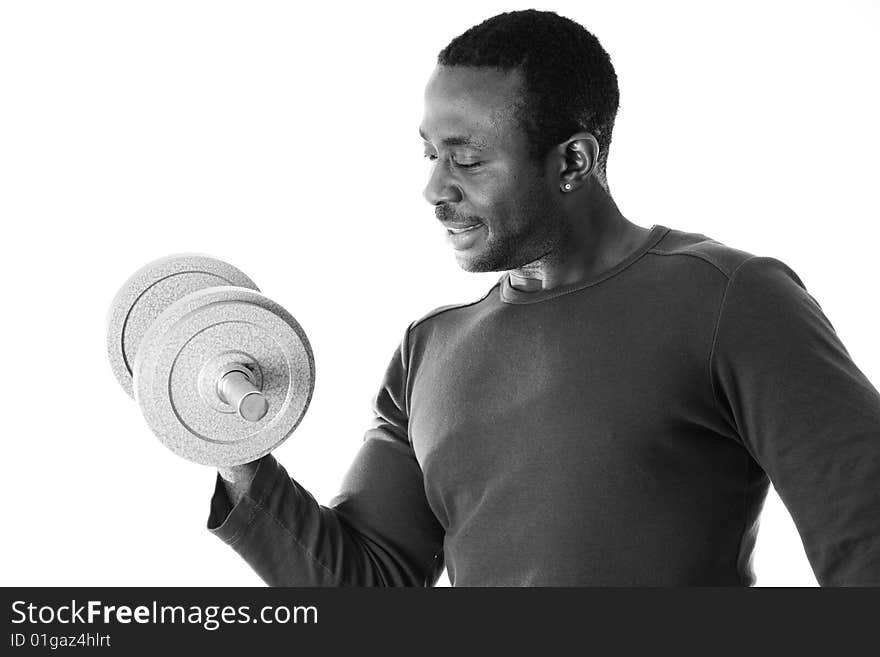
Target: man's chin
{"x":474,"y":264}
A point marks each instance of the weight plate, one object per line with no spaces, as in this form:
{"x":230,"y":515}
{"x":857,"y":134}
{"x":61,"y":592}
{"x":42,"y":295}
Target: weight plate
{"x":149,"y":291}
{"x":188,"y":339}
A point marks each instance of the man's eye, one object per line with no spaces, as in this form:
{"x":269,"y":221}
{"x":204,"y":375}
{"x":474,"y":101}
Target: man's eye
{"x":460,"y":165}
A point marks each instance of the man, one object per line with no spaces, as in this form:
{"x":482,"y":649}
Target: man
{"x":613,"y":410}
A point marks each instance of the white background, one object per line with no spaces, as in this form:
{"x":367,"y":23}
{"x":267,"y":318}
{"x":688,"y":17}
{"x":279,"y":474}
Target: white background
{"x":282,"y":137}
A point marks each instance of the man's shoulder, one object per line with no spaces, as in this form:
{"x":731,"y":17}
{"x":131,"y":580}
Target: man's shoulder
{"x":686,"y":246}
{"x":449,"y":309}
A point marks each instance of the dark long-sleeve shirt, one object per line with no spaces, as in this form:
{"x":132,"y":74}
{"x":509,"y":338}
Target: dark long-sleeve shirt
{"x":623,"y":430}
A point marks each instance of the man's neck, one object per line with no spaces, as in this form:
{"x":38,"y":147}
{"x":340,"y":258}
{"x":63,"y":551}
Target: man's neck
{"x":599,"y":238}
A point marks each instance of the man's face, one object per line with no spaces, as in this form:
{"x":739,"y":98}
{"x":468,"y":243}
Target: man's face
{"x":482,"y":174}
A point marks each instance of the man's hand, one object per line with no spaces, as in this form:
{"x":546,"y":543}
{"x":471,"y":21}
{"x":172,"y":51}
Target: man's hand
{"x":237,"y":479}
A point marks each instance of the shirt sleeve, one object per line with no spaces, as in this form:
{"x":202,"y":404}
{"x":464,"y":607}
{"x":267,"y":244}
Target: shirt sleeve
{"x":378,"y":530}
{"x":799,"y":404}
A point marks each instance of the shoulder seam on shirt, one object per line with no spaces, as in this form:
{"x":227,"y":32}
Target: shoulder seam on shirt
{"x":439,"y":311}
{"x":699,"y":256}
{"x":718,"y":324}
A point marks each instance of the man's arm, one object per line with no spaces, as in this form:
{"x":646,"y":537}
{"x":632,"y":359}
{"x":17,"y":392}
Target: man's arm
{"x":806,"y":413}
{"x":379,"y":529}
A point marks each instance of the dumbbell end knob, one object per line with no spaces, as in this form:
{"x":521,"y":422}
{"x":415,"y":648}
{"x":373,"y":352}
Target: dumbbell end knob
{"x":253,"y":406}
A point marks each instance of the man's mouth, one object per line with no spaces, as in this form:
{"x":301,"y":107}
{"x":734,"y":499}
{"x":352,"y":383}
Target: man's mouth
{"x":459,"y":231}
{"x":463,"y":236}
{"x":462,"y":231}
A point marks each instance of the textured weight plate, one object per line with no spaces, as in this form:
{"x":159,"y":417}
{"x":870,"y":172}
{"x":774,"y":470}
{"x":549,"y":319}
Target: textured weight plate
{"x":205,"y":327}
{"x":151,"y":290}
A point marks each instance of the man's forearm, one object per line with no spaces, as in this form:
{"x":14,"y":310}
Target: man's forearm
{"x":289,"y":539}
{"x":237,"y":479}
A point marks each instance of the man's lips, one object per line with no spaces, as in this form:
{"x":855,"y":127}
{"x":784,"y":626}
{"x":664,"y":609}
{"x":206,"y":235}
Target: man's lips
{"x":453,"y":221}
{"x":457,"y":227}
{"x":463,"y":236}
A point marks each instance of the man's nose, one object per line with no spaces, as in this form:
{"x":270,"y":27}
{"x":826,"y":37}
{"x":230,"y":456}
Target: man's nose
{"x":440,"y":187}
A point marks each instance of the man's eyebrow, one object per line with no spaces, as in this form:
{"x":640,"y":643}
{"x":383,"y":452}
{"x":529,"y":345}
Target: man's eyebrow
{"x":459,"y":140}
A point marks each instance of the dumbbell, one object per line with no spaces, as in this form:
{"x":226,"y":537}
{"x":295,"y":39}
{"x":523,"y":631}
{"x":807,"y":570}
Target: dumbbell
{"x":222,"y":374}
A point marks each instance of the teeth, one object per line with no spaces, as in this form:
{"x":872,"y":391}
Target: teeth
{"x":457,"y":231}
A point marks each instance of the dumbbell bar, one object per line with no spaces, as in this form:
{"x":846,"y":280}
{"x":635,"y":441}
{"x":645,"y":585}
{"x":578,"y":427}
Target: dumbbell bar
{"x":222,"y":374}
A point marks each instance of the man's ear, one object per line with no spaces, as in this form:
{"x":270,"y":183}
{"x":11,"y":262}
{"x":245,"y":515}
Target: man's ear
{"x":578,"y":157}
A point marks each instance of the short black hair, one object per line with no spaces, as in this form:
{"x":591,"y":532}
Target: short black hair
{"x":570,"y":82}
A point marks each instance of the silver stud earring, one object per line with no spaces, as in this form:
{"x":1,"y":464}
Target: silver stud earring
{"x":566,"y":187}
